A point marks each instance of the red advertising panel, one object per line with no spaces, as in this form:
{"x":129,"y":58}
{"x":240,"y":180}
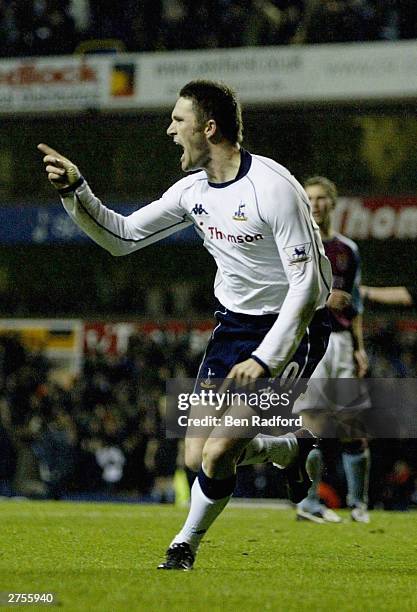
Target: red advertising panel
{"x":113,"y":337}
{"x":377,"y":218}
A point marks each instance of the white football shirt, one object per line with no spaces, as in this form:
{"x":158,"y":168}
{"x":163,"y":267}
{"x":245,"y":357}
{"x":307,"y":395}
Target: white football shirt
{"x":258,"y":228}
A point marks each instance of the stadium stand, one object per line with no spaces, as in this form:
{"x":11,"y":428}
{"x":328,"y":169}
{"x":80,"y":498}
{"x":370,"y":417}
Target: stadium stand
{"x":49,"y":27}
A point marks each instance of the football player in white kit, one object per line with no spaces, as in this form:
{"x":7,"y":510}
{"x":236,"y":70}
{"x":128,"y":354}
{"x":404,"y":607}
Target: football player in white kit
{"x":272,"y":282}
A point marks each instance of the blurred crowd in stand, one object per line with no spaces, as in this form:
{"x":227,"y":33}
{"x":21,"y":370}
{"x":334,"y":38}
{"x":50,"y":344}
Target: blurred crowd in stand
{"x":103,"y":432}
{"x":52,"y":27}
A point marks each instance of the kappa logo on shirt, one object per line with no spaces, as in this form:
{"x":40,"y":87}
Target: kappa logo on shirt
{"x":298,"y":253}
{"x":239,"y":215}
{"x":199,"y":210}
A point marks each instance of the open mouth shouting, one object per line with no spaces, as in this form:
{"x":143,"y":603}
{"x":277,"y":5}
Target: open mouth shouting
{"x":183,"y":150}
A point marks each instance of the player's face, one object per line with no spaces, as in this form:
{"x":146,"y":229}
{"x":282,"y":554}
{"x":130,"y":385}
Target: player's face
{"x":188,"y":133}
{"x":321,"y":203}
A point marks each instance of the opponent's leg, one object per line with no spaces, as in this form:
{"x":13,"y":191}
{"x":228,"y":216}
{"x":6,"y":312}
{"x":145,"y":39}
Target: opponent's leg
{"x":310,"y":508}
{"x":356,"y":463}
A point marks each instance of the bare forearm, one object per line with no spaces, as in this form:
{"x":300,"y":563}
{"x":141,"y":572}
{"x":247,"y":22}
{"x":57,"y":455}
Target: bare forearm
{"x":359,"y":353}
{"x":387,"y":295}
{"x":357,"y":333}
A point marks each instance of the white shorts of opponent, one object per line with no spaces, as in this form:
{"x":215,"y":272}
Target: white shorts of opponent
{"x":325,"y":390}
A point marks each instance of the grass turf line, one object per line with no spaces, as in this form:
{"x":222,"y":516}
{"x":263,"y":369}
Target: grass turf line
{"x":103,"y":557}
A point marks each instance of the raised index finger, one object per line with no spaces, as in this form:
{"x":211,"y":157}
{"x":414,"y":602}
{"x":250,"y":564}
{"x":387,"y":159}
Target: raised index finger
{"x":50,"y":151}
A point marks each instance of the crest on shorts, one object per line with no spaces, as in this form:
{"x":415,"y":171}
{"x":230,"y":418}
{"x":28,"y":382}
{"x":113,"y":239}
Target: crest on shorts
{"x":208,"y":383}
{"x":298,"y":253}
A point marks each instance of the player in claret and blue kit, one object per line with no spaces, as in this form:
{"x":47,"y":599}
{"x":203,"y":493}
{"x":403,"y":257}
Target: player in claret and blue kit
{"x":345,"y":358}
{"x":272,"y":281}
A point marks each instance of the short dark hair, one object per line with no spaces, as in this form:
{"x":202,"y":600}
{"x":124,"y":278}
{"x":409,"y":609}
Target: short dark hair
{"x":327,"y":184}
{"x":213,"y":100}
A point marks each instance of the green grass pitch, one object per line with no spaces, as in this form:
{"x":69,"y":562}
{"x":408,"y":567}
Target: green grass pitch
{"x":103,"y":557}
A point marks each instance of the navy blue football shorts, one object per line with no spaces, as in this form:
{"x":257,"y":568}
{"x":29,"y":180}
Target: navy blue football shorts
{"x":236,"y":336}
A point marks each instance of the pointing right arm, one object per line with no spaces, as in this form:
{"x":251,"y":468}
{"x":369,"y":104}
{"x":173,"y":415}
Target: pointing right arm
{"x":116,"y":233}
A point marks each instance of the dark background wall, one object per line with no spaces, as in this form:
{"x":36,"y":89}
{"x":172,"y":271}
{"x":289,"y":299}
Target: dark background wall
{"x":364,"y":150}
{"x":65,"y":280}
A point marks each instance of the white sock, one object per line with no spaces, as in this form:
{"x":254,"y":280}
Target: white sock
{"x":281,"y":450}
{"x":203,"y":512}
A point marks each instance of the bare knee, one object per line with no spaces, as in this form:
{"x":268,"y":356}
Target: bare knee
{"x":193,"y":453}
{"x":218,"y":452}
